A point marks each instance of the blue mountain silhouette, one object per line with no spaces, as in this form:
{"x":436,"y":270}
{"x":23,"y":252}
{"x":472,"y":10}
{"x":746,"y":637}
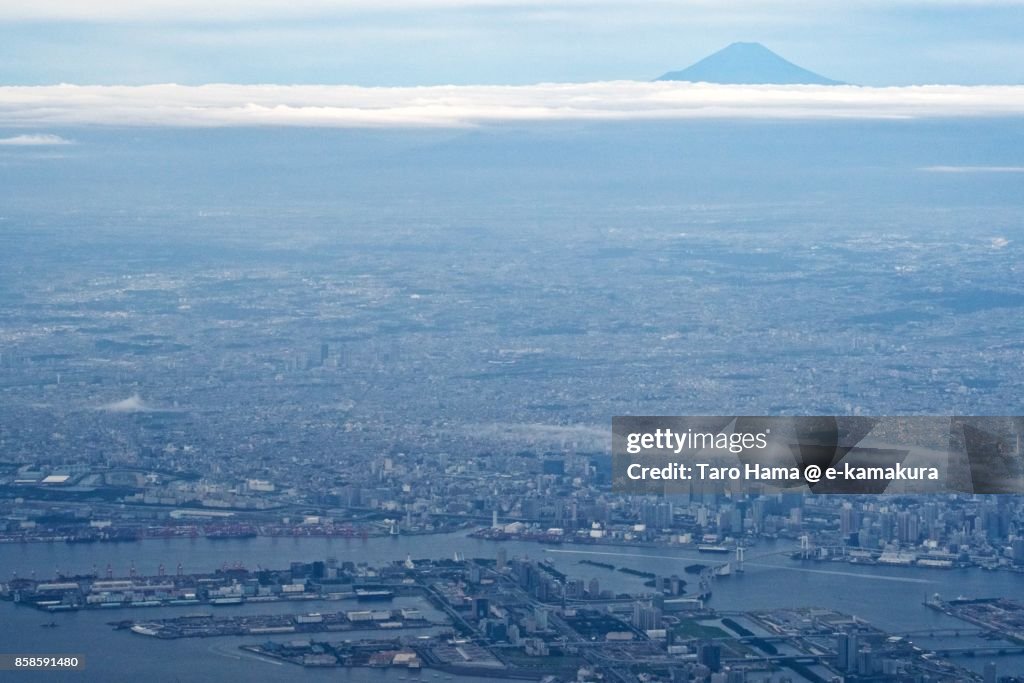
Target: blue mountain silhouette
{"x":747,"y":63}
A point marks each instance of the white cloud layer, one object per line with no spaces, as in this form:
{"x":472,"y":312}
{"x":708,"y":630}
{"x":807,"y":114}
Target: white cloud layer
{"x":34,"y":140}
{"x":974,"y":169}
{"x":457,"y":106}
{"x":249,"y":10}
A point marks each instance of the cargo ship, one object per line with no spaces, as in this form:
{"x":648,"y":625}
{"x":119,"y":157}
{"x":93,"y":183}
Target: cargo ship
{"x":231,"y":533}
{"x":373,"y":595}
{"x":717,"y":549}
{"x":227,"y":601}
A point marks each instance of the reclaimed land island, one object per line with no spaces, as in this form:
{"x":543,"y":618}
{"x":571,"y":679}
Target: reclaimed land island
{"x":521,"y":619}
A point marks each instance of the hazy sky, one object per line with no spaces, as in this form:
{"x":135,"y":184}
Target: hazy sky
{"x":418,"y":42}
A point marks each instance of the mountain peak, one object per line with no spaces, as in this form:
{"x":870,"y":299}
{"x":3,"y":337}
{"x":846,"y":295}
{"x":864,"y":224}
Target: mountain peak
{"x":747,"y":63}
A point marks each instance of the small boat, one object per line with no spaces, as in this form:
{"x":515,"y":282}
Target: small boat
{"x":52,"y":624}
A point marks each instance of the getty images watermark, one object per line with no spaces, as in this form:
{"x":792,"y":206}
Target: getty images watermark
{"x":819,"y":454}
